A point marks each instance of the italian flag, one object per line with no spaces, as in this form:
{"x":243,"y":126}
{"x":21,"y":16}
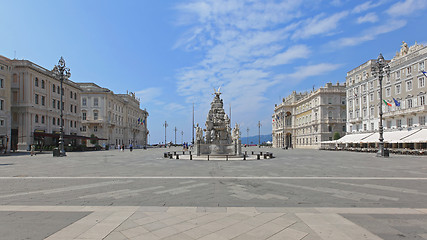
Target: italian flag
{"x":389,"y":104}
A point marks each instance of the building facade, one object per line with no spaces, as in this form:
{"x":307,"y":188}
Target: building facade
{"x":115,"y":118}
{"x":304,"y":120}
{"x":5,"y":98}
{"x":35,"y":105}
{"x":404,"y":93}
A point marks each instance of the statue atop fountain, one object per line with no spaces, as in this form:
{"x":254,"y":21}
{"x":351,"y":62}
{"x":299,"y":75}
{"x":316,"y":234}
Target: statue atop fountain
{"x":218,"y":139}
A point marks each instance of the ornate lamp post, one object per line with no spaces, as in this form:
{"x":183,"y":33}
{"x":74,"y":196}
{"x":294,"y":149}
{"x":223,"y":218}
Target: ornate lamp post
{"x":259,"y":133}
{"x":381,"y":68}
{"x":63,"y":73}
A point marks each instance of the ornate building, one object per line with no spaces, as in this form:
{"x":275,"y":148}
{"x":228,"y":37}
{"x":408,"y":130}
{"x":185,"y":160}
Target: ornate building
{"x":404,"y":93}
{"x":35,"y":105}
{"x":304,"y":120}
{"x":117,"y":118}
{"x":5,"y":96}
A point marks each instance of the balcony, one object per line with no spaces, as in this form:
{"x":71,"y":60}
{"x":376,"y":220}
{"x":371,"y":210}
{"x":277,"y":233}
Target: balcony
{"x":407,"y":111}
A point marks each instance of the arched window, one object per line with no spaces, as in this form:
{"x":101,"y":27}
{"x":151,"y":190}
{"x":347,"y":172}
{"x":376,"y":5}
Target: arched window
{"x":53,"y":88}
{"x":36,"y":118}
{"x":36,"y":82}
{"x":43,"y":84}
{"x":42,"y":119}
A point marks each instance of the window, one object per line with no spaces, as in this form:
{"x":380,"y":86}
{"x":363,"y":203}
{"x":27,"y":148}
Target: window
{"x":371,"y":97}
{"x":71,"y":124}
{"x":421,"y":82}
{"x":421,"y":66}
{"x":1,"y":83}
{"x":410,"y":122}
{"x":95,"y":115}
{"x":329,"y":100}
{"x":409,"y":85}
{"x":57,"y":121}
{"x":71,"y":108}
{"x":71,"y":94}
{"x":388,"y":92}
{"x":397,"y":74}
{"x":388,"y":124}
{"x":422,"y":100}
{"x":399,"y":123}
{"x":371,"y":112}
{"x":36,"y":99}
{"x":364,"y":99}
{"x":42,"y":119}
{"x":53,"y":121}
{"x":75,"y":124}
{"x":83,"y":115}
{"x":329,"y":115}
{"x":1,"y":104}
{"x":422,"y":120}
{"x":330,"y":128}
{"x":364,"y":127}
{"x":58,"y":89}
{"x":36,"y":82}
{"x":75,"y":96}
{"x":53,"y":87}
{"x":95,"y":102}
{"x":43,"y":84}
{"x":84,"y":101}
{"x":58,"y":103}
{"x":75,"y":109}
{"x":95,"y":128}
{"x":62,"y":106}
{"x":36,"y":118}
{"x":398,"y":90}
{"x":84,"y":129}
{"x":1,"y":122}
{"x":371,"y":84}
{"x":43,"y":100}
{"x":409,"y":103}
{"x":364,"y":112}
{"x":408,"y":70}
{"x":53,"y":103}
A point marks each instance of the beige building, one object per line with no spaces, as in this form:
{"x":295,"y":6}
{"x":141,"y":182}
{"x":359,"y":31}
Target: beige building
{"x":35,"y":106}
{"x":406,"y":84}
{"x":304,"y":120}
{"x":116,"y":118}
{"x":5,"y":98}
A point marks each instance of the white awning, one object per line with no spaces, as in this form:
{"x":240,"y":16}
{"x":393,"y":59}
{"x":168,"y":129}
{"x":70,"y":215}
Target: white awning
{"x":353,"y":138}
{"x":390,"y":137}
{"x":417,"y":137}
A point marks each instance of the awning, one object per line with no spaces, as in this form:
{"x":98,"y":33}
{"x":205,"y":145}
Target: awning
{"x":55,"y":135}
{"x":354,"y":138}
{"x":390,"y":137}
{"x":417,"y":137}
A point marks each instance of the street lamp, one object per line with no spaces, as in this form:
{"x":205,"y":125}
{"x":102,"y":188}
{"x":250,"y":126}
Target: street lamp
{"x":63,"y":73}
{"x":381,"y":68}
{"x":165,"y":125}
{"x":259,"y":133}
{"x":247,"y":136}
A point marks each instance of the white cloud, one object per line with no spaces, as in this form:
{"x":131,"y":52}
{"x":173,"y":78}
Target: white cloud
{"x":370,"y":17}
{"x":295,"y":52}
{"x":366,"y":6}
{"x":406,"y":8}
{"x":319,"y":25}
{"x":150,"y":95}
{"x":303,"y":72}
{"x":369,"y":34}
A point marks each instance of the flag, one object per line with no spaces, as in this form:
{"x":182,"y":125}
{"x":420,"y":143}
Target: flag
{"x":388,"y":104}
{"x":425,"y":73}
{"x":397,"y":103}
{"x":139,"y":120}
{"x":143,"y":122}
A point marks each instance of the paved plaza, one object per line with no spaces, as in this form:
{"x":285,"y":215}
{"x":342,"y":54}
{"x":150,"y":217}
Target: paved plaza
{"x":299,"y":194}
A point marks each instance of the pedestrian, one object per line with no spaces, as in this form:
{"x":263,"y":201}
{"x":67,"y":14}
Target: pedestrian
{"x":130,"y":147}
{"x":33,"y":150}
{"x":123,"y":147}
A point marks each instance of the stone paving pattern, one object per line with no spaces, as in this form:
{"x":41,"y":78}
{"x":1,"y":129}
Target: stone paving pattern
{"x":300,"y":194}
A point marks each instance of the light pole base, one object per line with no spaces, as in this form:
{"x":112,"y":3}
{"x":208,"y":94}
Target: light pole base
{"x":383,"y":153}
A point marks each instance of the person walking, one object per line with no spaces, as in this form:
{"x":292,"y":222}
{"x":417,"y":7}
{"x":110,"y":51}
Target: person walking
{"x":130,"y":147}
{"x":33,"y":150}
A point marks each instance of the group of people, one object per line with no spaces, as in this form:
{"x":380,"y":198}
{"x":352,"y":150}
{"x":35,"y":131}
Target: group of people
{"x":185,"y":146}
{"x":122,"y":147}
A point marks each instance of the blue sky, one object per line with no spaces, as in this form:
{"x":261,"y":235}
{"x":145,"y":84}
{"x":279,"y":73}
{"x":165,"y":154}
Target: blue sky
{"x":172,"y":53}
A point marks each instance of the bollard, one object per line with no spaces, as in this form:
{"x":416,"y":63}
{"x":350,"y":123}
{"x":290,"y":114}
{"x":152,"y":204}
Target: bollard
{"x":165,"y":155}
{"x":183,"y":152}
{"x":226,"y":157}
{"x":191,"y":157}
{"x":252,"y":152}
{"x":177,"y":156}
{"x":265,"y":156}
{"x":244,"y":156}
{"x":208,"y":157}
{"x":257,"y":156}
{"x":260,"y":153}
{"x":174,"y":153}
